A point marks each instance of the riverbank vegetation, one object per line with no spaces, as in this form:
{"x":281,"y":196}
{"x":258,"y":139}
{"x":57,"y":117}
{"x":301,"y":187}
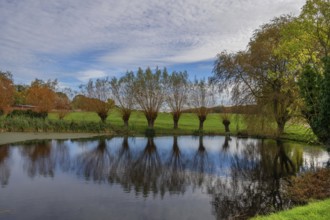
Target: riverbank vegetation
{"x":188,"y":125}
{"x":308,"y":188}
{"x":315,"y":210}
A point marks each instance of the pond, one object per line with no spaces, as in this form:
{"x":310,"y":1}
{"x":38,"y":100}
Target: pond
{"x":185,"y":177}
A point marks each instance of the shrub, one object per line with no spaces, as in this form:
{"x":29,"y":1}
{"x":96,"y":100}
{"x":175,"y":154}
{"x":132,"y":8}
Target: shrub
{"x":28,"y":113}
{"x":309,"y":186}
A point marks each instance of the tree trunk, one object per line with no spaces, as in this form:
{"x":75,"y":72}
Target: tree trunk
{"x":201,"y":118}
{"x":176,"y":117}
{"x":151,"y":117}
{"x":226,"y":123}
{"x":103,"y":116}
{"x":125,"y":118}
{"x":280,"y":127}
{"x":151,"y":123}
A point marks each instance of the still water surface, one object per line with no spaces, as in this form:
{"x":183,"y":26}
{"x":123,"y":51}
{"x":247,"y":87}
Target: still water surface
{"x":149,"y":178}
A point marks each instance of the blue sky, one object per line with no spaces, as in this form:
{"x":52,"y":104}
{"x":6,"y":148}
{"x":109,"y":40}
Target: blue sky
{"x":75,"y":40}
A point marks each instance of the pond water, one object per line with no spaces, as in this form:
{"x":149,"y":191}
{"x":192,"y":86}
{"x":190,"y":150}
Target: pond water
{"x":149,"y":178}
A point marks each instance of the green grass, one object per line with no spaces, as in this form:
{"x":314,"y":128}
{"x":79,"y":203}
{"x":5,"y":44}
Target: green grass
{"x":315,"y":210}
{"x":188,"y":124}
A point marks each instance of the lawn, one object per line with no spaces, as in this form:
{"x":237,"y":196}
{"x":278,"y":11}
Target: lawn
{"x":314,"y":210}
{"x":164,"y":123}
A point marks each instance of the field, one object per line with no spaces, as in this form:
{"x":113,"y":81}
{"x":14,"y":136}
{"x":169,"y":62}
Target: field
{"x":188,"y":124}
{"x":164,"y":124}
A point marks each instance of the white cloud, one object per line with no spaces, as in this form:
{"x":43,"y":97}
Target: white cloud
{"x":90,"y":74}
{"x":130,"y":33}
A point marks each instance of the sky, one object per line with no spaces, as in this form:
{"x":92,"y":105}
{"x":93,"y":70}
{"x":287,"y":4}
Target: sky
{"x":77,"y":40}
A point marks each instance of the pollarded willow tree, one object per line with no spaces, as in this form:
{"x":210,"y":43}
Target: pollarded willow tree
{"x":149,"y":92}
{"x":7,"y":90}
{"x":262,"y":75}
{"x":201,"y":99}
{"x":97,"y":97}
{"x":123,"y":95}
{"x":177,"y":89}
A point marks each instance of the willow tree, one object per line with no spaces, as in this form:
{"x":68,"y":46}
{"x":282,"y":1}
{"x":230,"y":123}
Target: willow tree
{"x":7,"y":90}
{"x":177,"y":89}
{"x":123,"y":95}
{"x":262,"y":74}
{"x":97,"y":97}
{"x":201,"y":98}
{"x":149,"y":92}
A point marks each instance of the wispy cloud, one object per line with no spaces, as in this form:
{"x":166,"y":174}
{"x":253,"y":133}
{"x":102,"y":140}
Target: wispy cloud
{"x":78,"y":39}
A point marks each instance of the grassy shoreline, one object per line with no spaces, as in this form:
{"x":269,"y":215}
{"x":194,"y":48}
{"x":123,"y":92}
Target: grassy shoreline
{"x":89,"y":122}
{"x":16,"y":137}
{"x":314,"y":210}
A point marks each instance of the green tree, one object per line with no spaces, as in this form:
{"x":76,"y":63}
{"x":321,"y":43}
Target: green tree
{"x":149,"y":92}
{"x":314,"y":89}
{"x":123,"y":94}
{"x":315,"y":17}
{"x":177,"y":89}
{"x":262,"y":74}
{"x":201,"y":98}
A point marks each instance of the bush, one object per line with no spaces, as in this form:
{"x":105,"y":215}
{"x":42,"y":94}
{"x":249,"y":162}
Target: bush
{"x":310,"y":186}
{"x":28,"y":113}
{"x":23,"y":123}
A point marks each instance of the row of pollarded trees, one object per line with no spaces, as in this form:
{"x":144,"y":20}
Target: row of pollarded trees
{"x":150,"y":91}
{"x":146,"y":90}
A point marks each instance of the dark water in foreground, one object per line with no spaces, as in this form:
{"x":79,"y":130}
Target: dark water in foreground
{"x":141,"y":178}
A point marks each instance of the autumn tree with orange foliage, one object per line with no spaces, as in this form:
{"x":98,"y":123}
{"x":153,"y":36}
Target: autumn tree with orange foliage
{"x":7,"y":90}
{"x":42,"y":95}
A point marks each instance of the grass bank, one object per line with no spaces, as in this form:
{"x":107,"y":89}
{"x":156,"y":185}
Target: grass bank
{"x":314,"y":210}
{"x":15,"y":137}
{"x":188,"y":125}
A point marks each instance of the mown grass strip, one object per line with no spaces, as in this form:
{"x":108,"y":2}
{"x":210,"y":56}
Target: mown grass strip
{"x":315,"y":210}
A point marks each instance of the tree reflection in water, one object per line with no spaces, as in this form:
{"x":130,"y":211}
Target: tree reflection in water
{"x":174,"y":178}
{"x":39,"y":159}
{"x":201,"y":164}
{"x":62,"y":155}
{"x":255,"y":170}
{"x":95,"y":164}
{"x":225,"y":145}
{"x":254,"y":187}
{"x":119,"y":172}
{"x":147,"y":169}
{"x":4,"y":166}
